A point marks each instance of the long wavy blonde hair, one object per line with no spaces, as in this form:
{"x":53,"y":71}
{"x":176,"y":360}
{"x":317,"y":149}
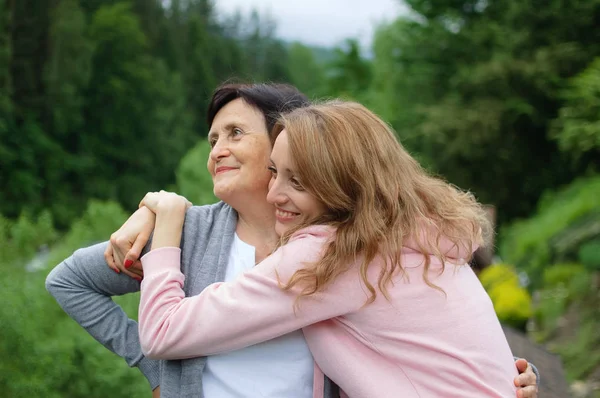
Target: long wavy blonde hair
{"x":376,"y":194}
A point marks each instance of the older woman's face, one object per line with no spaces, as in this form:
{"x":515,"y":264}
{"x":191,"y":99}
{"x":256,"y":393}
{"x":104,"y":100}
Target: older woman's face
{"x":240,"y":151}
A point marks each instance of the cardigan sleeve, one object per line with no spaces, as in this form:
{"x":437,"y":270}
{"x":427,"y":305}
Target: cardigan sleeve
{"x":83,"y":285}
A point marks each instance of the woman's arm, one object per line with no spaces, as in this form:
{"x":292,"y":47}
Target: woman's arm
{"x":224,"y":316}
{"x":83,"y":285}
{"x":175,"y":326}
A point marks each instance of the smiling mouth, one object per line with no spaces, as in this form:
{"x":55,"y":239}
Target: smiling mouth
{"x":283,"y":215}
{"x":221,"y":170}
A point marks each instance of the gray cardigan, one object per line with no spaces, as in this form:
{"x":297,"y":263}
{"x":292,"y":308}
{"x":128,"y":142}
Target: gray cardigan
{"x":83,"y":285}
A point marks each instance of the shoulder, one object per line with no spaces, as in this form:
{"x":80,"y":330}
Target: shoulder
{"x":308,"y":243}
{"x":321,"y":233}
{"x":204,"y":221}
{"x":208,"y":214}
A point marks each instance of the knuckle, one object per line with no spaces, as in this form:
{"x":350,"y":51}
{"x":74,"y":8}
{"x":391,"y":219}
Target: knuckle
{"x":121,"y":241}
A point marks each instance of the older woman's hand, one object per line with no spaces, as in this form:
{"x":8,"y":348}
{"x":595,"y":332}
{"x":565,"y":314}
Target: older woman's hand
{"x":125,"y":247}
{"x":526,"y":380}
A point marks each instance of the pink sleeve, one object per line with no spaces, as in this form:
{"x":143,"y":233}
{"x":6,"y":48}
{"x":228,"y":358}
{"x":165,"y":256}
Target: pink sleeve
{"x":233,"y":315}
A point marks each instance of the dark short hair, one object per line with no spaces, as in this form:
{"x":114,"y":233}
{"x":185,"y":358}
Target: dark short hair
{"x":271,"y":99}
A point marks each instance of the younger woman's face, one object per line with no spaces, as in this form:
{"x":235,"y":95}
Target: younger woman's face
{"x":293,"y":204}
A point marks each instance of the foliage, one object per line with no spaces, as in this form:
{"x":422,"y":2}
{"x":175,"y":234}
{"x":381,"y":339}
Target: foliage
{"x":20,"y":239}
{"x":577,"y":129}
{"x":498,"y":274}
{"x":567,"y":319}
{"x":96,"y":224}
{"x":101,"y":99}
{"x":582,"y":356}
{"x":193,"y":179}
{"x":305,"y":71}
{"x":511,"y":302}
{"x":589,"y":255}
{"x":473,"y":88}
{"x":545,"y":238}
{"x":44,"y":352}
{"x":561,"y":274}
{"x":349,"y":75}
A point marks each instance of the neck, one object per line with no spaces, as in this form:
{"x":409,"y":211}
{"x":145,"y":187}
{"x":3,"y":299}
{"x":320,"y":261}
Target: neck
{"x":256,"y":226}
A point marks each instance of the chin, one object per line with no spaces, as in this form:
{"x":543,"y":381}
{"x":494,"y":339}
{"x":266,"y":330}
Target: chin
{"x":223,"y":191}
{"x":280,"y":229}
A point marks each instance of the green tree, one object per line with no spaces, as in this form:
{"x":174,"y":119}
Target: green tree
{"x":305,"y":72}
{"x":473,"y":86}
{"x":5,"y":103}
{"x":138,"y":124}
{"x":68,"y":69}
{"x":349,"y":73}
{"x":577,"y":129}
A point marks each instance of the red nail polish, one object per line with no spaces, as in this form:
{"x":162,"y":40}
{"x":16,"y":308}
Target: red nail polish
{"x":118,"y":271}
{"x":137,"y":278}
{"x":128,"y":263}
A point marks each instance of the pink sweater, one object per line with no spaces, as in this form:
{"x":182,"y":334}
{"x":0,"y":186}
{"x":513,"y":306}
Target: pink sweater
{"x":419,"y":344}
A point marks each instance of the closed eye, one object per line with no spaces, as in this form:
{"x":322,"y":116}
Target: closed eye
{"x":296,"y":184}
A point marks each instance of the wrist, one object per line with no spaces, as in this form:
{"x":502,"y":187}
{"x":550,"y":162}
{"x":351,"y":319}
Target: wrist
{"x":146,"y":212}
{"x":168,"y":227}
{"x":171,"y":208}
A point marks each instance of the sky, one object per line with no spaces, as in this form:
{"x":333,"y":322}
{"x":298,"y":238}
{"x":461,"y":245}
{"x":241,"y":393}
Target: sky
{"x":321,"y":22}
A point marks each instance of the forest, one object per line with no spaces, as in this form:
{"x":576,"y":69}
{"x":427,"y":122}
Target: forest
{"x":102,"y":101}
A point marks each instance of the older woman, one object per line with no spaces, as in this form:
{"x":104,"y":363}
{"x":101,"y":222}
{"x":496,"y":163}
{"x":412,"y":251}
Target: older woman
{"x":219,"y":242}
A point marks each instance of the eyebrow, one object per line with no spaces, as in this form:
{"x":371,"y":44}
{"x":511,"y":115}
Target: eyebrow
{"x":228,"y":127}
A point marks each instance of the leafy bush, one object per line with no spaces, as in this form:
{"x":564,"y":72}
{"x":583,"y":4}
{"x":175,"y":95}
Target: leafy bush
{"x":532,"y":244}
{"x":589,"y":255}
{"x":97,"y":223}
{"x":20,"y":239}
{"x":45,"y":353}
{"x":577,"y":128}
{"x":496,"y":274}
{"x":582,"y":355}
{"x":512,"y":302}
{"x":561,"y":274}
{"x":569,"y":287}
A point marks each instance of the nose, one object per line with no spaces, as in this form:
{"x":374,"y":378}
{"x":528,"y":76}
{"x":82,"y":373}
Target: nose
{"x":276,"y":194}
{"x":219,"y":151}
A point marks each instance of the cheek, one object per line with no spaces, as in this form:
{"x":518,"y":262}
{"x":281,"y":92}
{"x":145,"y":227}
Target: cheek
{"x":210,"y":166}
{"x":258,"y":150}
{"x":316,"y":208}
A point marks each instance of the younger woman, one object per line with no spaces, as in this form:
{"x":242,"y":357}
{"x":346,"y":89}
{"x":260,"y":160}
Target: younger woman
{"x":373,"y":268}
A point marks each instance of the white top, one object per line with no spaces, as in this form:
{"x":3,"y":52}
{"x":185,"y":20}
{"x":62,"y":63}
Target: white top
{"x":282,"y":367}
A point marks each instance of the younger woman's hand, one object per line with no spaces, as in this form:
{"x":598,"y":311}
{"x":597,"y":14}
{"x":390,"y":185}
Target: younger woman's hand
{"x":165,"y":201}
{"x":170,"y":211}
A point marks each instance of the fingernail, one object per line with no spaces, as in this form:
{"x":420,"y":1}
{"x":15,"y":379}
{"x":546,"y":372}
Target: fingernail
{"x":118,"y":271}
{"x":128,"y":263}
{"x":137,"y":278}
